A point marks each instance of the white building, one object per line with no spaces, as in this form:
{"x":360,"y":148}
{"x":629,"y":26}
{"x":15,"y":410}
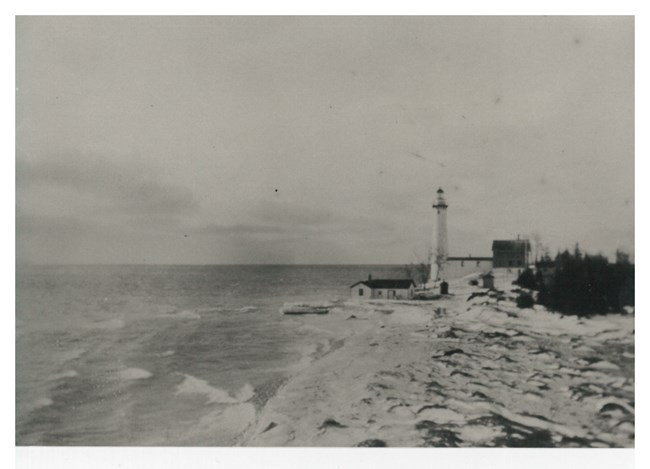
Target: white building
{"x":440,"y":249}
{"x":443,"y":266}
{"x":385,"y":289}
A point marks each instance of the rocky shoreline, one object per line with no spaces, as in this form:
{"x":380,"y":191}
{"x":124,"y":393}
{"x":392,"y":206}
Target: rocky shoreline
{"x":468,"y":370}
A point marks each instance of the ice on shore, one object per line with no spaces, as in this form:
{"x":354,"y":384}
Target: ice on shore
{"x":192,"y":385}
{"x":454,"y":372}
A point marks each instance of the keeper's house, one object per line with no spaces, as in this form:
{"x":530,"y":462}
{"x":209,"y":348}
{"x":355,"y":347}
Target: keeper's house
{"x":507,"y":253}
{"x":384,"y":289}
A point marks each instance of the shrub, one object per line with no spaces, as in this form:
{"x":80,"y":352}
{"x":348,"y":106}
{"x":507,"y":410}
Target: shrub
{"x":527,"y":280}
{"x":525,"y":300}
{"x":418,"y":272}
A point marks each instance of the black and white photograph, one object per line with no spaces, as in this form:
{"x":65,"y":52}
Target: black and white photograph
{"x":325,"y":231}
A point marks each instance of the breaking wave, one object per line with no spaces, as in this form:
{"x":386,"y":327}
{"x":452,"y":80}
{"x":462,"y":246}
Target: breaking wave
{"x":130,"y":374}
{"x":193,"y":385}
{"x":111,"y":324}
{"x":63,"y":374}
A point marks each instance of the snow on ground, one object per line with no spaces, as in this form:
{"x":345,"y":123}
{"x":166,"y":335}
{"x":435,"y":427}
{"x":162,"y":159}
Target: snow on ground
{"x":459,"y":372}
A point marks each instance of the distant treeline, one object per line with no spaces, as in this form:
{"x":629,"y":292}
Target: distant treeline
{"x":582,"y":284}
{"x":418,"y":272}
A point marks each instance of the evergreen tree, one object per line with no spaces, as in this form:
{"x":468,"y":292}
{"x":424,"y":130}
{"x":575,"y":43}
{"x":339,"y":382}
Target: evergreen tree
{"x":585,"y":284}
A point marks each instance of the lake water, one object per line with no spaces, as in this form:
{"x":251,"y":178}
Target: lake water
{"x":160,"y":355}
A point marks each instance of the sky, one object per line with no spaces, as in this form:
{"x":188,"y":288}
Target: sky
{"x":281,"y":140}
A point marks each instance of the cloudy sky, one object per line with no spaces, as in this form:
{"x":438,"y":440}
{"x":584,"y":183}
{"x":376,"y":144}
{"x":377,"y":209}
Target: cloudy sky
{"x":319,"y":140}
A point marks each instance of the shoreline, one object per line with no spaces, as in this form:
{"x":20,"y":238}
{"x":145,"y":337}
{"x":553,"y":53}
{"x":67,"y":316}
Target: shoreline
{"x":457,"y":372}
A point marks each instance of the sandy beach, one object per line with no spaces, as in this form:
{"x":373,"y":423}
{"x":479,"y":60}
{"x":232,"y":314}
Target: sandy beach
{"x":468,"y":370}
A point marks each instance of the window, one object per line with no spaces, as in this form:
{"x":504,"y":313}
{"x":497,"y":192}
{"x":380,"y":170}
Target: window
{"x":462,"y":263}
{"x":378,"y":292}
{"x":478,"y":263}
{"x":360,"y":291}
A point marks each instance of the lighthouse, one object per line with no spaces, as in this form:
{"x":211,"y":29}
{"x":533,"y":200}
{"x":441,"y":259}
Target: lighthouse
{"x":440,"y":238}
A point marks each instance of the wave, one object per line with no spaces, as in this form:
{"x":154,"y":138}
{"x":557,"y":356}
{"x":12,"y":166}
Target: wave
{"x":43,"y":402}
{"x":183,"y":314}
{"x":70,"y":355}
{"x":187,"y":314}
{"x":193,"y":385}
{"x":63,"y":374}
{"x":111,"y":324}
{"x":246,"y":393}
{"x":130,"y":374}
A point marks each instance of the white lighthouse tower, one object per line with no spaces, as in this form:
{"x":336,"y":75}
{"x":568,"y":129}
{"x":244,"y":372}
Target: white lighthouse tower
{"x":440,"y":250}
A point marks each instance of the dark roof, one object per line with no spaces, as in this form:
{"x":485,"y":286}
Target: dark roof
{"x":510,"y":245}
{"x":398,"y":284}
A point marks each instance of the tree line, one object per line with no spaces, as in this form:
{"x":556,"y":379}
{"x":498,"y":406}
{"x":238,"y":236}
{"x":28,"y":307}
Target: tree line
{"x":582,"y":284}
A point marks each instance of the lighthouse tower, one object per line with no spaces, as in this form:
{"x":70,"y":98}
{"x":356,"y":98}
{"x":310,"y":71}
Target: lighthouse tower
{"x":440,"y":252}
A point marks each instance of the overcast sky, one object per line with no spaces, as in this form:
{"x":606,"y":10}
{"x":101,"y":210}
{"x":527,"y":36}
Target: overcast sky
{"x":320,"y":140}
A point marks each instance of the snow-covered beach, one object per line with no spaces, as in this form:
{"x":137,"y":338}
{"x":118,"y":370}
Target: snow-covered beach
{"x":458,"y":372}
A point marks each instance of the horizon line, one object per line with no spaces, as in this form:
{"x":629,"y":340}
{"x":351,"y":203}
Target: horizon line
{"x":89,"y":264}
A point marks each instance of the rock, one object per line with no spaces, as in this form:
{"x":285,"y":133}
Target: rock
{"x":435,"y":436}
{"x":610,"y":405}
{"x":450,"y":334}
{"x":506,"y":358}
{"x":439,"y":415}
{"x":401,"y":410}
{"x":372,"y":443}
{"x":495,"y":335}
{"x":627,"y":427}
{"x":543,"y":355}
{"x":480,"y":395}
{"x":451,"y":352}
{"x":604,"y":365}
{"x":328,"y":423}
{"x":475,"y":294}
{"x":269,"y":427}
